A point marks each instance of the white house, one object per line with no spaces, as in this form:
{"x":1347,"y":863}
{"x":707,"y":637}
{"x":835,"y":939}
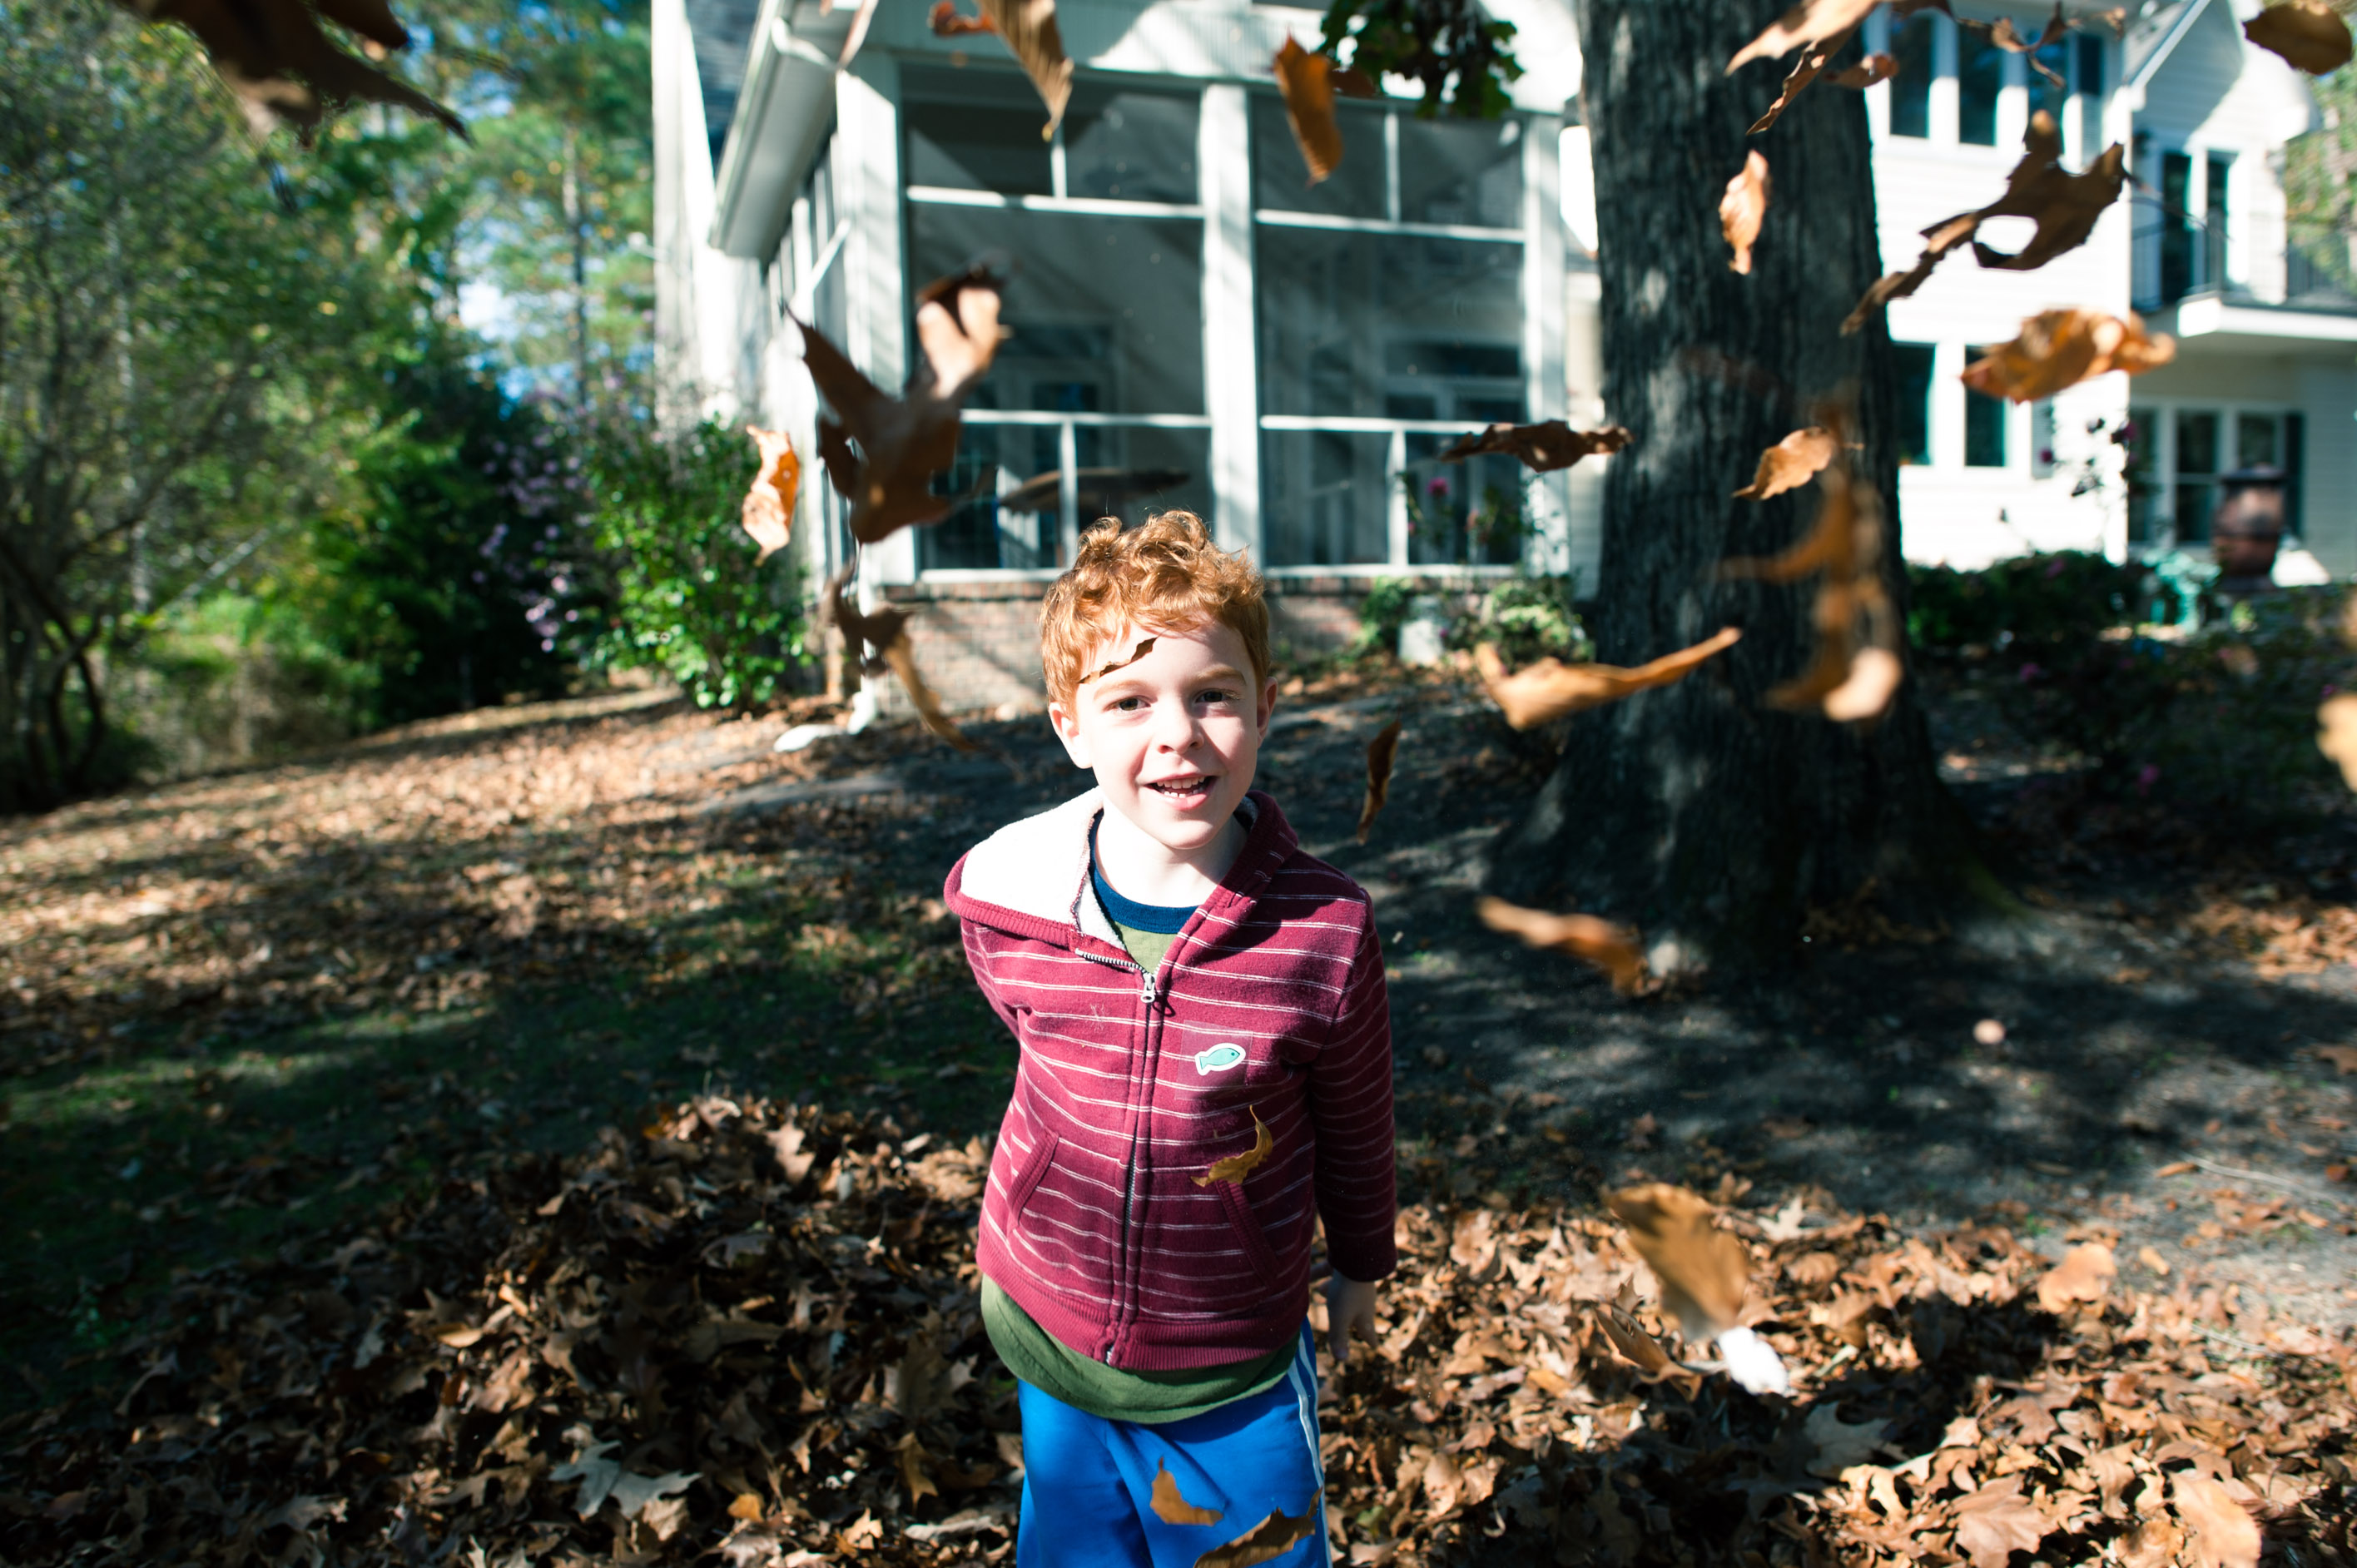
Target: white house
{"x":1193,"y":325}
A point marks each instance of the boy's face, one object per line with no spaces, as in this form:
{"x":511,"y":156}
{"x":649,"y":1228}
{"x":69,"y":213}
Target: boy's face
{"x":1174,"y":737}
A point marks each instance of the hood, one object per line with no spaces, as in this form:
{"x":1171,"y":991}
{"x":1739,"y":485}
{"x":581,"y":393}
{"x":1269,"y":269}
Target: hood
{"x":1031,"y":878}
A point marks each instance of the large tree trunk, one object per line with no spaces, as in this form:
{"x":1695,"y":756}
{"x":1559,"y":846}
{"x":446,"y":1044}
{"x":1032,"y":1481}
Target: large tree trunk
{"x":1695,"y":813}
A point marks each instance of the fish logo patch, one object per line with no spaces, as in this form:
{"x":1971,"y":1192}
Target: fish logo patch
{"x":1217,"y":1058}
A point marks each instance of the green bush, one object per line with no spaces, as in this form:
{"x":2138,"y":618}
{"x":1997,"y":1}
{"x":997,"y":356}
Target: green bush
{"x":2034,"y":602}
{"x":235,"y":678}
{"x":675,"y":587}
{"x":1381,"y":614}
{"x":1528,"y":618}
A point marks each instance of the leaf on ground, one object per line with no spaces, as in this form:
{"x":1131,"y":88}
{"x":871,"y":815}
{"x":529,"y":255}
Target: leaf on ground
{"x":1836,"y":1445}
{"x":2151,"y":1543}
{"x":903,"y":442}
{"x":1742,"y":208}
{"x":1305,"y":78}
{"x":948,"y":22}
{"x":1235,"y":1167}
{"x":2063,"y":205}
{"x":1702,"y":1270}
{"x":1791,"y":463}
{"x":916,"y":1478}
{"x":1038,"y":45}
{"x":1867,"y":72}
{"x":2336,"y":735}
{"x":2059,"y":348}
{"x":1170,"y":1505}
{"x":2085,"y":1274}
{"x":768,"y":509}
{"x":2220,"y":1533}
{"x":1996,"y":1521}
{"x":1611,"y":947}
{"x":2341,"y":1056}
{"x":1269,"y":1539}
{"x":1381,"y":753}
{"x":1550,"y":688}
{"x":281,"y":68}
{"x":1543,"y":448}
{"x":2307,"y":33}
{"x":748,"y":1506}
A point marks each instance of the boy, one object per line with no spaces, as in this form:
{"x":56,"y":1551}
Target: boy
{"x":1206,"y":1068}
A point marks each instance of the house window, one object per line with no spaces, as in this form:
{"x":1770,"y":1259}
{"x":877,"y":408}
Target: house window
{"x":1980,"y":79}
{"x":1985,"y":419}
{"x":1390,"y":323}
{"x":1910,"y":89}
{"x":2178,"y":254}
{"x":2274,"y":441}
{"x":1094,"y":405}
{"x":2196,"y":494}
{"x":1911,"y":370}
{"x":2142,"y":439}
{"x":2216,"y":208}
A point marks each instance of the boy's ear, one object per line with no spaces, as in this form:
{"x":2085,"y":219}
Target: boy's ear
{"x":1267,"y":704}
{"x":1065,"y":722}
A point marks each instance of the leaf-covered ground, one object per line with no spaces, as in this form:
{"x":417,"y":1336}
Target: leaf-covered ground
{"x":251,"y":1019}
{"x":750,"y":1329}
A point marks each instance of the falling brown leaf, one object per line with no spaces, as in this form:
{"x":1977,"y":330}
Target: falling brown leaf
{"x":2005,"y":35}
{"x":1702,"y":1269}
{"x":1866,"y":693}
{"x":1235,"y":1167}
{"x":1742,"y":209}
{"x":281,"y":67}
{"x":1814,"y":59}
{"x":928,"y":704}
{"x":1851,"y":613}
{"x":1550,"y":688}
{"x":1170,"y":1505}
{"x":2058,"y":348}
{"x":1352,"y":82}
{"x":769,"y":510}
{"x":1304,"y":80}
{"x":2336,"y":733}
{"x":2085,"y":1274}
{"x":1867,"y":72}
{"x":886,"y":632}
{"x":2222,"y":1534}
{"x":1810,"y":22}
{"x":1611,"y":947}
{"x":903,"y":442}
{"x":1996,"y":1521}
{"x":835,"y":454}
{"x":947,"y":22}
{"x":1270,"y":1539}
{"x":1145,"y":646}
{"x":1632,"y":1341}
{"x":1791,"y":463}
{"x":2308,"y":34}
{"x":1038,"y":45}
{"x":1543,"y":448}
{"x":1380,"y":751}
{"x":2063,"y":205}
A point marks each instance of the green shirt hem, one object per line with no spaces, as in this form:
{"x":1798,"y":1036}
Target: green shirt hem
{"x":1047,"y":1363}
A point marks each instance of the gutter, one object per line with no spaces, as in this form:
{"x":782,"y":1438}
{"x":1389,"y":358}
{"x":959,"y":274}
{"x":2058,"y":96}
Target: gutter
{"x":783,"y":113}
{"x":2132,"y":89}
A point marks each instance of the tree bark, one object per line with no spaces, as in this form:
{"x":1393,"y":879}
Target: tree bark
{"x":1695,"y":812}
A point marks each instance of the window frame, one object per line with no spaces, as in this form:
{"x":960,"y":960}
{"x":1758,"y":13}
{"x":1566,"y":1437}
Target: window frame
{"x":1399,"y":550}
{"x":1067,"y":424}
{"x":2166,"y":410}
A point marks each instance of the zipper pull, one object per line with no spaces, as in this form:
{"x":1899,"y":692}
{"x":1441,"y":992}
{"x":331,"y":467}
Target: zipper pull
{"x":1146,"y":994}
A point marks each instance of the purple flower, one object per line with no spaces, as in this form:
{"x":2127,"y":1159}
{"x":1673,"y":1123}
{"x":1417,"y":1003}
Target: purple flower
{"x":2031,"y":672}
{"x":2146,"y":777}
{"x":2054,"y":567}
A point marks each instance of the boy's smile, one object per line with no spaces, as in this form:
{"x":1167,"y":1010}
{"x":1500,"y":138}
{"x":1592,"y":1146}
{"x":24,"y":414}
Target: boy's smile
{"x":1174,"y":739}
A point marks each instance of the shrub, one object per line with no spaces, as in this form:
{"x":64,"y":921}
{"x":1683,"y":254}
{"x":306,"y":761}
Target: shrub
{"x":1528,"y":618}
{"x":1381,"y":614}
{"x":2038,"y":602}
{"x":679,"y":590}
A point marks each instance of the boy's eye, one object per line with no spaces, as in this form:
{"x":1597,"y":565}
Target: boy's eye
{"x":1215,"y":695}
{"x":1128,"y":704}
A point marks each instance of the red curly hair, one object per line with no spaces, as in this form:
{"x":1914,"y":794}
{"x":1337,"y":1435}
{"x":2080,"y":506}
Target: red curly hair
{"x":1167,"y":573}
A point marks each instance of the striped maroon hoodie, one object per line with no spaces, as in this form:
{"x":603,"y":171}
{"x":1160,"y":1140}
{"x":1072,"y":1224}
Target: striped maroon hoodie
{"x":1101,"y":1219}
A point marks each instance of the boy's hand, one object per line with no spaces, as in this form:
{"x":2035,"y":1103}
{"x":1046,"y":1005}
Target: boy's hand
{"x":1349,"y":1308}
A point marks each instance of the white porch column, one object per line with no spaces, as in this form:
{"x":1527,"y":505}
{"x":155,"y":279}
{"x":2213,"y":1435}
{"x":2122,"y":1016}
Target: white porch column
{"x":1549,"y":547}
{"x":874,"y":263}
{"x":1230,"y":375}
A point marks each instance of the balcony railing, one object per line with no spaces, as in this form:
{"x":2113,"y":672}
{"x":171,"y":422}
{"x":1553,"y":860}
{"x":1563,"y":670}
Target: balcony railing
{"x":2176,"y":255}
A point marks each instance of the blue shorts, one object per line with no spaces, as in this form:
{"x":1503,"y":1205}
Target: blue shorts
{"x":1087,"y":1483}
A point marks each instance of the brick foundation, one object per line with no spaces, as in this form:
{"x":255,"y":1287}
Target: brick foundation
{"x":978,"y":642}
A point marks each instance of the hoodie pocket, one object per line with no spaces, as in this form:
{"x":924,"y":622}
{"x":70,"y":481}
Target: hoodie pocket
{"x":1027,"y":1176}
{"x":1247,"y":1227}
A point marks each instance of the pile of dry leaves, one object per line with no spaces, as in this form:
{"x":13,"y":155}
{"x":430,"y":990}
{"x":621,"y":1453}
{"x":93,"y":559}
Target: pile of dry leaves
{"x":750,"y":1331}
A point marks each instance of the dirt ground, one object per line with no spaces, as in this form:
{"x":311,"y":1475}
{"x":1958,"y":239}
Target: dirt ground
{"x":236,"y":1008}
